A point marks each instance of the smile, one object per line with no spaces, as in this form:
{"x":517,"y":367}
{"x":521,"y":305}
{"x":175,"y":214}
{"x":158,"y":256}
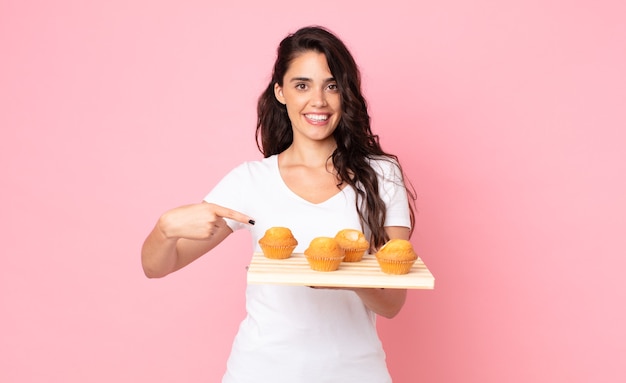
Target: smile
{"x":317,"y":117}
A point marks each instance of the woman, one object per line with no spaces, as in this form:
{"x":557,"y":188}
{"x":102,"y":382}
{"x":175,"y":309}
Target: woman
{"x":323,"y":171}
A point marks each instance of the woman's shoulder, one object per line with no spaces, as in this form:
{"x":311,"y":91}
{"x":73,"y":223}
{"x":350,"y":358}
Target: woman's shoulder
{"x":384,"y":165}
{"x":256,"y":167}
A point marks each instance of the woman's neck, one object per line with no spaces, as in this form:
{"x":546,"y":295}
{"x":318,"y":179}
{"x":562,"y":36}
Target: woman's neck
{"x":313,"y":155}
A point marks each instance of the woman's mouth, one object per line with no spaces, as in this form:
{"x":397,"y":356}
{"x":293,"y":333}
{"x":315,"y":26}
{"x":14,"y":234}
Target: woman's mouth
{"x":316,"y":118}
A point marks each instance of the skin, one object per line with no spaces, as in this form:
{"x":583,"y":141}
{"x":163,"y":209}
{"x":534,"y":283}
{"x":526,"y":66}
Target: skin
{"x":313,"y":103}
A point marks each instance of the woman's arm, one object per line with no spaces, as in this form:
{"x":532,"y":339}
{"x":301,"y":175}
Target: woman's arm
{"x":386,"y":302}
{"x":183,"y":234}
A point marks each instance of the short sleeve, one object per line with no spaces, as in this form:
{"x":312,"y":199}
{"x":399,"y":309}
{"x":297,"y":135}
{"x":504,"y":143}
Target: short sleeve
{"x":393,"y":192}
{"x":230,"y":193}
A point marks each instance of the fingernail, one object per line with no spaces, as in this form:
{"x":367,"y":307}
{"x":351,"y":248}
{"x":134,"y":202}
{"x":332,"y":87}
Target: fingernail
{"x":251,"y":222}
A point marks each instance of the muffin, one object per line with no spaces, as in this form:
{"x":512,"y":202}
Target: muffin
{"x":353,"y":243}
{"x":278,"y":243}
{"x":396,"y":257}
{"x":324,"y":254}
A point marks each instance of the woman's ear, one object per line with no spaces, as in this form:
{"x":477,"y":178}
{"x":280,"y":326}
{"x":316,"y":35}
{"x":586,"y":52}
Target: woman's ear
{"x":278,"y":93}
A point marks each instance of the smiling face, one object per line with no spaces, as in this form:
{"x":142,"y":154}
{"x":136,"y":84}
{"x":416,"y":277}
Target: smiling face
{"x":310,"y":94}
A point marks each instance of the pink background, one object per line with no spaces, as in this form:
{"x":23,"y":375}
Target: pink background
{"x":509,"y":118}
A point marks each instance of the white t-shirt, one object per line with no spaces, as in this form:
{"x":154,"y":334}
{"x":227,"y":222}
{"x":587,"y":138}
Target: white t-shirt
{"x":296,"y":334}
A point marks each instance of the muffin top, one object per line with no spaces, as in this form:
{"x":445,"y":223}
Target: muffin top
{"x":324,"y":246}
{"x":351,"y":239}
{"x":397,"y":249}
{"x":278,"y":236}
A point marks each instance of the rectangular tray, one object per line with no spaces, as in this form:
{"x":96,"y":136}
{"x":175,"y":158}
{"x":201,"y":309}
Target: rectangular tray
{"x":296,"y":271}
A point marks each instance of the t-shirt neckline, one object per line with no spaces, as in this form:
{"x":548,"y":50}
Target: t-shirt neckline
{"x":293,"y":194}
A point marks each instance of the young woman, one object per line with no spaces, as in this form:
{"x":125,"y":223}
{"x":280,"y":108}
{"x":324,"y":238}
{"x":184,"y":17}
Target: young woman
{"x":323,"y":171}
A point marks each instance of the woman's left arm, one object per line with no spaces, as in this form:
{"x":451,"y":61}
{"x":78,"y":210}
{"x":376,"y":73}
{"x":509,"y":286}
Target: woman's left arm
{"x":386,"y":302}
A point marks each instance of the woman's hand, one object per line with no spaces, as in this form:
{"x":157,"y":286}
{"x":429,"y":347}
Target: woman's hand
{"x":198,"y":221}
{"x":184,"y":234}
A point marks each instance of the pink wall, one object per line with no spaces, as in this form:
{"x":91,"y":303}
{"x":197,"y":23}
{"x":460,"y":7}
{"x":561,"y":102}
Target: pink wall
{"x":509,"y":116}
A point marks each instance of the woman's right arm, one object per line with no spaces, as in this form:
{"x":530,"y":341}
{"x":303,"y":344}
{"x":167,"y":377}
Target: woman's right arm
{"x":184,"y":234}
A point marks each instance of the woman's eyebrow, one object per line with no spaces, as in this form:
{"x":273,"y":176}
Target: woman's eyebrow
{"x":306,"y":79}
{"x":302,"y":79}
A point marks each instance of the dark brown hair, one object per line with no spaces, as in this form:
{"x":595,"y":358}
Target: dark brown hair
{"x":356,"y":144}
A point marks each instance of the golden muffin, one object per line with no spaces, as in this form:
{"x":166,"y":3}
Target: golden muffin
{"x":396,"y":257}
{"x":278,"y":243}
{"x":353,"y":243}
{"x":324,"y":254}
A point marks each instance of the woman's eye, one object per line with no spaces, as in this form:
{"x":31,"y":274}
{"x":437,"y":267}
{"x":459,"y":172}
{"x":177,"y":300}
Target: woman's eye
{"x":332,"y":87}
{"x":301,"y":86}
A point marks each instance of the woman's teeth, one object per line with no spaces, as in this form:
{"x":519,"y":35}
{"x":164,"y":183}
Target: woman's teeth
{"x":316,"y":117}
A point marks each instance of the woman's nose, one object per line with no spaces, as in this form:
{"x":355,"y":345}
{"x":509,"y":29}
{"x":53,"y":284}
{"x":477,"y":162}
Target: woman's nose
{"x":318,"y":98}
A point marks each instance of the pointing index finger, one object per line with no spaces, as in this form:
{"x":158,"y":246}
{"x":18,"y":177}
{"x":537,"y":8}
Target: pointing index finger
{"x":225,"y":212}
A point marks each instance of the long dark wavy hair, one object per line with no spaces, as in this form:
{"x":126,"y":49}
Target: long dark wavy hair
{"x":356,"y":144}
